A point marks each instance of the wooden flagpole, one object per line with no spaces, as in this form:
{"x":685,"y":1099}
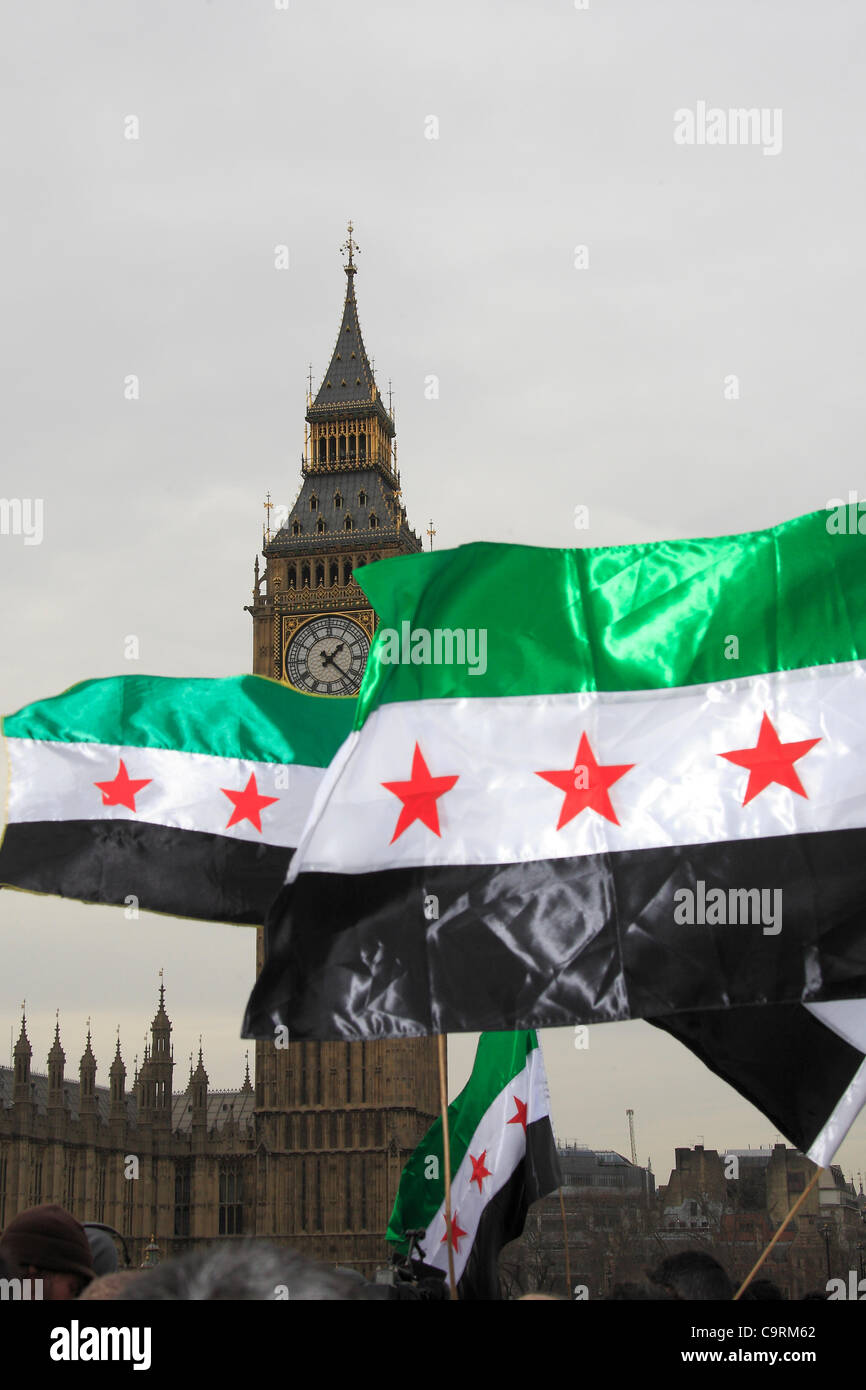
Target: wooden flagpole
{"x":565,"y":1240}
{"x":446,"y":1155}
{"x":795,"y":1208}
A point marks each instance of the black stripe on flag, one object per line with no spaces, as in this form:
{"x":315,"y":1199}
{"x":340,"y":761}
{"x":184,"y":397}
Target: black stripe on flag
{"x":544,"y":944}
{"x":186,"y":873}
{"x":781,"y":1058}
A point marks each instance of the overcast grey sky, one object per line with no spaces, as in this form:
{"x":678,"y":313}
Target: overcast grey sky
{"x":558,"y":385}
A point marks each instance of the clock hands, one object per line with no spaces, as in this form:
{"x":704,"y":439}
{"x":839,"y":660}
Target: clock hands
{"x":328,"y":658}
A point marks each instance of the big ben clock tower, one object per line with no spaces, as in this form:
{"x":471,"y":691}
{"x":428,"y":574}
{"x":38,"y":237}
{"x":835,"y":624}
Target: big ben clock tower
{"x":335,"y":1122}
{"x":313,"y":626}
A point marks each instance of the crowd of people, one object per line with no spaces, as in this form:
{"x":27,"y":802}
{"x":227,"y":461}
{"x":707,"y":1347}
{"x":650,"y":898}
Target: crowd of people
{"x":74,"y":1260}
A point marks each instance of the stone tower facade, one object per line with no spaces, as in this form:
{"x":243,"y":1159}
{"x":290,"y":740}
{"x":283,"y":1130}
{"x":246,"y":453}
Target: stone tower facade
{"x":338,"y":1120}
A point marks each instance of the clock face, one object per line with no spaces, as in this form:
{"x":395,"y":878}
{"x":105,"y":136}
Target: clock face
{"x":327,"y":656}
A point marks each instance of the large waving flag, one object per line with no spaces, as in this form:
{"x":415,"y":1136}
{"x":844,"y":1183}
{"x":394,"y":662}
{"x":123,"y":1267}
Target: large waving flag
{"x":590,"y":785}
{"x":187,"y":795}
{"x":503,"y":1158}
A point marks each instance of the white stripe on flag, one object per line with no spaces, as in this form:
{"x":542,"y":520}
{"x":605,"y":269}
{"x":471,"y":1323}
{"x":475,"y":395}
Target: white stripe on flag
{"x":679,"y":791}
{"x":55,"y":782}
{"x":847,"y":1017}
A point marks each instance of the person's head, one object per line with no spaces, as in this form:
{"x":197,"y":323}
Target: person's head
{"x":47,"y":1243}
{"x":763,"y":1291}
{"x":248,"y":1270}
{"x":693,"y":1275}
{"x":109,"y":1286}
{"x":102,"y":1248}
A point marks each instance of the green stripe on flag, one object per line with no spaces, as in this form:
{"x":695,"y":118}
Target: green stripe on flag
{"x":247,"y":717}
{"x":499,"y":1058}
{"x":631,"y":617}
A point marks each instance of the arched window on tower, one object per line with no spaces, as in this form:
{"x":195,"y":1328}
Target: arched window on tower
{"x":314,"y":503}
{"x":347,"y":571}
{"x":348,"y":524}
{"x":342,"y":448}
{"x":335,"y":573}
{"x":338,"y":500}
{"x":374,"y":521}
{"x":305,"y":576}
{"x":320,"y":576}
{"x":292,"y":577}
{"x":320,"y":525}
{"x":323,"y":449}
{"x":296,"y":528}
{"x":332,"y":449}
{"x":362,"y":498}
{"x":353,"y":440}
{"x":362,"y":447}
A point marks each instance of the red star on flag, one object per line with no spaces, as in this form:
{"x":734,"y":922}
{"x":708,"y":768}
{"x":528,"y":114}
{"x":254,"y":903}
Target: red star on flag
{"x":520,"y":1117}
{"x":419,"y":796}
{"x":480,"y":1171}
{"x":123,"y":790}
{"x":456,"y":1233}
{"x":585,"y":785}
{"x":248,"y":804}
{"x":771,"y":761}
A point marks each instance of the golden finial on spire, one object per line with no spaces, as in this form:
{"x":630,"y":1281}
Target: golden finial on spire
{"x":431,"y":532}
{"x":268,"y":509}
{"x":351,"y":246}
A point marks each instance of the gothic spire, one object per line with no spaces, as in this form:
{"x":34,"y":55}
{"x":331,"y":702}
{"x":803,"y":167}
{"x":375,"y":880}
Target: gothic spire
{"x":349,"y":380}
{"x":248,"y":1085}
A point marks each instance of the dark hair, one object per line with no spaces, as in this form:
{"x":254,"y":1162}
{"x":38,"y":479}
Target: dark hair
{"x":693,"y":1275}
{"x":763,"y":1290}
{"x":248,"y":1270}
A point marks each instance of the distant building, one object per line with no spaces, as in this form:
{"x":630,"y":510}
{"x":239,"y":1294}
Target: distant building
{"x":728,"y":1203}
{"x":197,"y":1165}
{"x":734,"y":1201}
{"x":608,"y":1201}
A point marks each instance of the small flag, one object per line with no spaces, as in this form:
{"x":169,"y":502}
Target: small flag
{"x":503,"y":1158}
{"x":183,"y":796}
